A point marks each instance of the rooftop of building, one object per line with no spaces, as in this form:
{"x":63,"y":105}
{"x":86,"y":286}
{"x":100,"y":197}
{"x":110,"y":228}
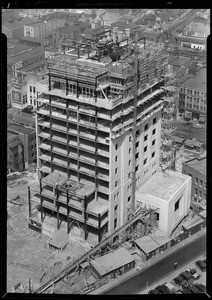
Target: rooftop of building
{"x":178,"y":60}
{"x":16,"y":48}
{"x":151,"y":243}
{"x":194,"y":40}
{"x":198,"y":81}
{"x":18,"y":23}
{"x":193,"y":222}
{"x":26,"y":55}
{"x":33,"y":39}
{"x":59,"y":239}
{"x":112,"y":261}
{"x":162,"y":185}
{"x":21,"y":129}
{"x":198,"y":164}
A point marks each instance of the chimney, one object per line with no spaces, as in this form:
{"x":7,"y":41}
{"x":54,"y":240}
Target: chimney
{"x":120,"y":35}
{"x":127,"y":30}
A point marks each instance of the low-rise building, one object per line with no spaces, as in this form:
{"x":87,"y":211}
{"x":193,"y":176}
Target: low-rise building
{"x":43,"y":29}
{"x":27,"y":136}
{"x":22,"y":58}
{"x":15,"y":160}
{"x":170,"y":194}
{"x":192,"y":93}
{"x":14,"y":28}
{"x":21,"y":117}
{"x":196,"y":169}
{"x":119,"y":261}
{"x":34,"y":42}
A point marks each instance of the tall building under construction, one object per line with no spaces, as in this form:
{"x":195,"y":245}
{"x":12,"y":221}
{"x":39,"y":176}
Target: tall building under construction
{"x":98,"y":138}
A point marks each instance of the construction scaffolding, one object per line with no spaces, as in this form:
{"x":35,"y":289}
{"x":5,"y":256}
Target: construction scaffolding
{"x":167,"y":159}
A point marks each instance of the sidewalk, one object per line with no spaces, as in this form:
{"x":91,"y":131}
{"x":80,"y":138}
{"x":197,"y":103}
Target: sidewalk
{"x":176,"y":272}
{"x":146,"y":264}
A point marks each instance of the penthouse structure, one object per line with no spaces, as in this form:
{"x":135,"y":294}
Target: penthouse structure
{"x":87,"y":149}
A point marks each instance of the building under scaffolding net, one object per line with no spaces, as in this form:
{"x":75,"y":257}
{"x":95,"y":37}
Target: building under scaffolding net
{"x":98,"y":134}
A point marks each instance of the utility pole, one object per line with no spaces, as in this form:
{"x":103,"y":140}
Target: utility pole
{"x":133,"y":177}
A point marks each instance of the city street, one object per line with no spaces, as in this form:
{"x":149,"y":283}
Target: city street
{"x":182,"y":255}
{"x":189,"y":132}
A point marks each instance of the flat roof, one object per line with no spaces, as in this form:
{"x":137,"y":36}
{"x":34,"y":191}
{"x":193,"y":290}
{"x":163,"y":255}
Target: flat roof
{"x":178,"y":60}
{"x":28,"y":54}
{"x":194,"y":221}
{"x":148,"y":243}
{"x":18,"y":23}
{"x":162,"y":185}
{"x":99,"y":206}
{"x":55,"y":178}
{"x":198,"y":81}
{"x":59,"y":239}
{"x":21,"y":129}
{"x":177,"y":139}
{"x":198,"y":164}
{"x":33,"y":39}
{"x":112,"y":261}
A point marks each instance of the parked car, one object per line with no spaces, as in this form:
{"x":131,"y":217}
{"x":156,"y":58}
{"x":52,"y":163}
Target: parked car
{"x":201,"y":265}
{"x":162,"y":289}
{"x":183,"y":283}
{"x":186,"y":275}
{"x":185,"y":291}
{"x":194,"y":273}
{"x":153,"y":292}
{"x":193,"y":289}
{"x":177,"y":280}
{"x":200,"y":287}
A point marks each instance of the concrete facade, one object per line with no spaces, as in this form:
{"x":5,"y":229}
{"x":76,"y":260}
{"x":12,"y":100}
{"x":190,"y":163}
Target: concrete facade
{"x":85,"y":132}
{"x":170,"y":193}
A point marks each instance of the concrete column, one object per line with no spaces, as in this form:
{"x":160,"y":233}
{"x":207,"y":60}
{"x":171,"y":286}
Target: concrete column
{"x":99,"y":227}
{"x":57,"y":208}
{"x":67,"y":198}
{"x":41,"y":202}
{"x":29,"y":201}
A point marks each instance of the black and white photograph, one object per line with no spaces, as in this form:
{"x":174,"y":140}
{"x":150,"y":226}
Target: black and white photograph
{"x":106,"y":185}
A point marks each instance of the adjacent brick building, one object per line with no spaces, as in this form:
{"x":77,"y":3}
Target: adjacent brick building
{"x":196,"y":168}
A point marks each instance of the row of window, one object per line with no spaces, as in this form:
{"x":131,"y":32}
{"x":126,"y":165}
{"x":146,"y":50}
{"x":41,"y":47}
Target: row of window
{"x":30,"y":89}
{"x":137,"y":144}
{"x":196,"y":99}
{"x":196,"y":107}
{"x":195,"y":93}
{"x":198,"y":193}
{"x":200,"y":182}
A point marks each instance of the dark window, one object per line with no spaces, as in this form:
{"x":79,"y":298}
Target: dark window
{"x":115,"y":223}
{"x":146,"y":126}
{"x":137,"y":155}
{"x":176,"y":206}
{"x":145,"y":149}
{"x":33,"y":89}
{"x":136,"y":168}
{"x":129,"y":150}
{"x":129,"y":162}
{"x":129,"y":198}
{"x":116,"y":170}
{"x":116,"y":158}
{"x":129,"y":175}
{"x":130,"y":139}
{"x":116,"y":183}
{"x":153,"y":154}
{"x":153,"y":131}
{"x":145,"y":138}
{"x":136,"y":145}
{"x":154,"y":120}
{"x":30,"y":89}
{"x":137,"y":132}
{"x":116,"y":207}
{"x":153,"y":143}
{"x":116,"y":146}
{"x":145,"y":161}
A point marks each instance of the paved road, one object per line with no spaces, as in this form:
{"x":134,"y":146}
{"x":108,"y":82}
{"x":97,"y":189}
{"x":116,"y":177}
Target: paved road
{"x":160,"y":269}
{"x":189,"y":132}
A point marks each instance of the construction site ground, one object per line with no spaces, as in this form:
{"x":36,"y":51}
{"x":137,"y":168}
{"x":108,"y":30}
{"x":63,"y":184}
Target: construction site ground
{"x":27,"y":252}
